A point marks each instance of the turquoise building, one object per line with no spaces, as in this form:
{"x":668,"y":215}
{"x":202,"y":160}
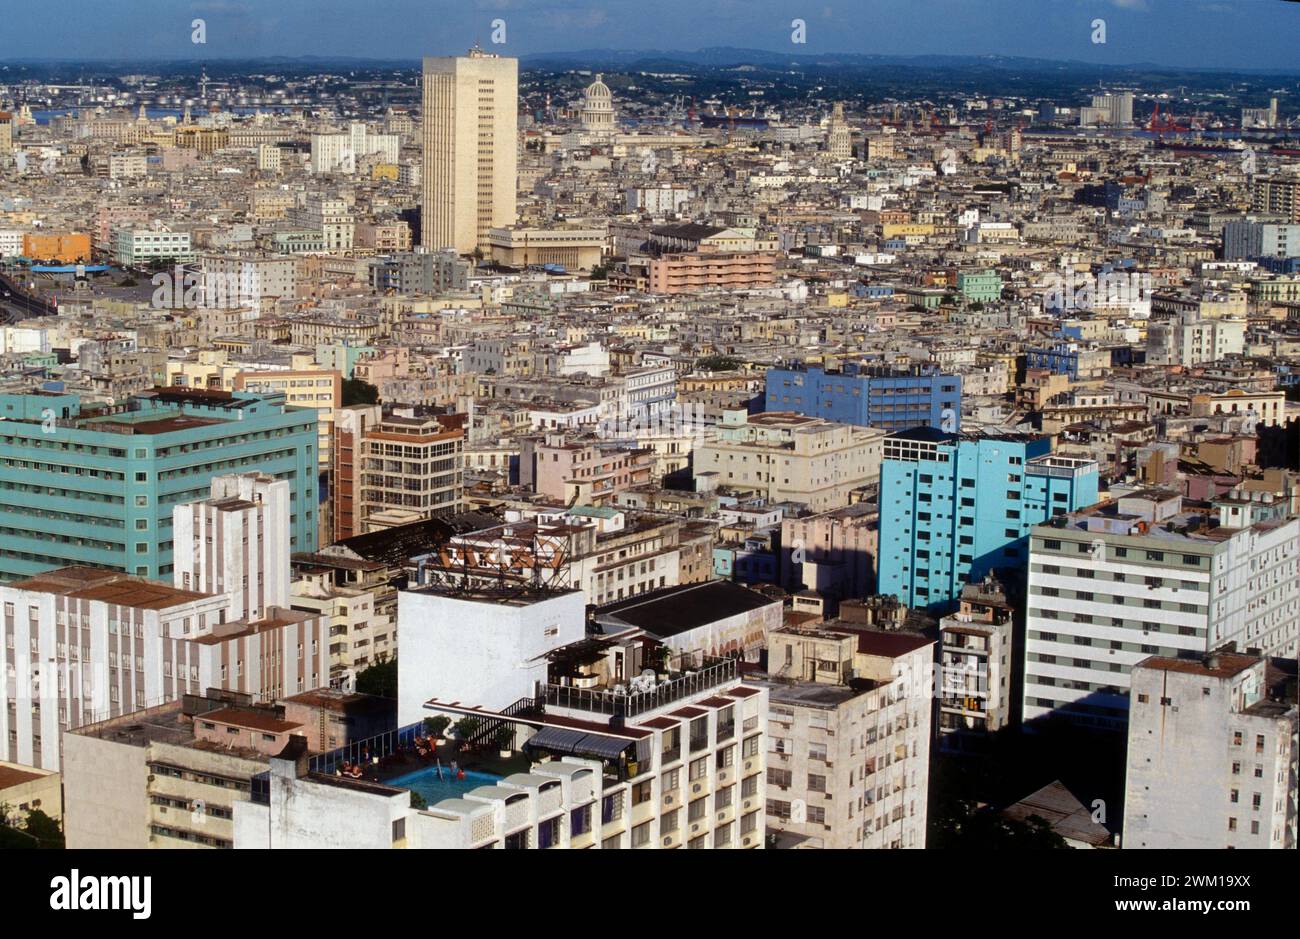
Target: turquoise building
{"x":96,"y":486}
{"x":342,"y":357}
{"x":980,"y":286}
{"x":955,"y":506}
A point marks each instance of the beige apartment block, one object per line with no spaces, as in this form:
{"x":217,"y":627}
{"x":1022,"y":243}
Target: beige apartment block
{"x":305,"y":386}
{"x":785,"y":457}
{"x":470,"y":149}
{"x":168,"y":776}
{"x":359,"y":635}
{"x":848,"y":761}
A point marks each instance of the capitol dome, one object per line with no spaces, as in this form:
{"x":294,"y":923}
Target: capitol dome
{"x":598,"y":106}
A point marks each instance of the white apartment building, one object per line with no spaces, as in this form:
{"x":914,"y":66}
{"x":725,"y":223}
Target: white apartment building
{"x":268,"y":158}
{"x":1190,"y":340}
{"x":134,"y":247}
{"x":340,"y":153}
{"x":1142,"y":576}
{"x":658,"y":201}
{"x":241,"y":541}
{"x":83,"y":645}
{"x":1212,"y":752}
{"x":632,"y":746}
{"x":11,"y":243}
{"x":254,"y":282}
{"x":331,"y":217}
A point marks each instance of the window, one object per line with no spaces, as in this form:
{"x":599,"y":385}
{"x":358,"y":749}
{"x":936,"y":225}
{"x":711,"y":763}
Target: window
{"x":548,"y":833}
{"x":778,"y":808}
{"x":641,"y":835}
{"x":641,"y":792}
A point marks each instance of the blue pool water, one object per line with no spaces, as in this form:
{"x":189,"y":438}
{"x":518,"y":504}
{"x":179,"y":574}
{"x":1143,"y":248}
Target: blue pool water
{"x":426,"y":783}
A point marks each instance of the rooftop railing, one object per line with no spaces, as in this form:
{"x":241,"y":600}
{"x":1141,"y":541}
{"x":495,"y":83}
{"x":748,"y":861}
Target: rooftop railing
{"x":711,"y":673}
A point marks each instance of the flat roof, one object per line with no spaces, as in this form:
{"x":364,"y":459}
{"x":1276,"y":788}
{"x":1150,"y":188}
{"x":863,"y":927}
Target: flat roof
{"x":1225,"y":664}
{"x":93,"y":583}
{"x":240,"y":717}
{"x":12,"y":776}
{"x":675,"y":610}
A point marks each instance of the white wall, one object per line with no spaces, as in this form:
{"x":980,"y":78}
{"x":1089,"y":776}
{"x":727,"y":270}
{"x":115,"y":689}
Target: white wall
{"x":477,"y":652}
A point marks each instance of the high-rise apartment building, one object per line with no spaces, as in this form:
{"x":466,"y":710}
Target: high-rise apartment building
{"x":849,"y":737}
{"x":408,"y":467}
{"x":839,"y":140}
{"x":1211,"y":754}
{"x":240,"y":540}
{"x":470,"y":149}
{"x":955,"y":507}
{"x":1277,"y":195}
{"x":1146,"y":575}
{"x":1246,"y":239}
{"x":96,"y":487}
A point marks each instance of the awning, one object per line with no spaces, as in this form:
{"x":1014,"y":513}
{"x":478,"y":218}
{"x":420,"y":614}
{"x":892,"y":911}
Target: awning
{"x":577,"y":742}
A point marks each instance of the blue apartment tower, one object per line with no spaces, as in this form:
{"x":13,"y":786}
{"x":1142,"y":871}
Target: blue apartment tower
{"x":888,"y":398}
{"x":955,"y":506}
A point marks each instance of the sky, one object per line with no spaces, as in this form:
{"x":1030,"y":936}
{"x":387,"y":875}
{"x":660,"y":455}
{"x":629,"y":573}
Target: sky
{"x":1204,"y":33}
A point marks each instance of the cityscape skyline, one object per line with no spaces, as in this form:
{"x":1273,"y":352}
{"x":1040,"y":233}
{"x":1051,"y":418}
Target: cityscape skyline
{"x":755,"y":448}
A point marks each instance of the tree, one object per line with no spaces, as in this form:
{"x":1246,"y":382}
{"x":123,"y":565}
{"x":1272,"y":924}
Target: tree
{"x":40,"y":831}
{"x":356,"y":391}
{"x":379,"y":679}
{"x":467,"y":727}
{"x":436,"y":726}
{"x":718,"y":363}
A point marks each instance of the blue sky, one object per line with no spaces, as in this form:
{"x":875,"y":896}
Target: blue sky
{"x":1207,"y":33}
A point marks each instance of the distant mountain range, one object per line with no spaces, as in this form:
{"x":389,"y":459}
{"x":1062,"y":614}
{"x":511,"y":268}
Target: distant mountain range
{"x":731,"y":57}
{"x":718,"y":57}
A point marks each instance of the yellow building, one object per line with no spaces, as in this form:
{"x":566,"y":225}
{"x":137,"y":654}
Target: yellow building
{"x":64,"y":247}
{"x":904,"y":230}
{"x":25,"y":789}
{"x":306,"y":385}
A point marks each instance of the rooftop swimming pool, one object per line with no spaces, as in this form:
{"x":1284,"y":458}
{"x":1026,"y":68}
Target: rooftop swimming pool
{"x":434,"y":789}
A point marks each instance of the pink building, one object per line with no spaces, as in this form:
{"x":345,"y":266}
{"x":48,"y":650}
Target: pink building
{"x":586,"y":472}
